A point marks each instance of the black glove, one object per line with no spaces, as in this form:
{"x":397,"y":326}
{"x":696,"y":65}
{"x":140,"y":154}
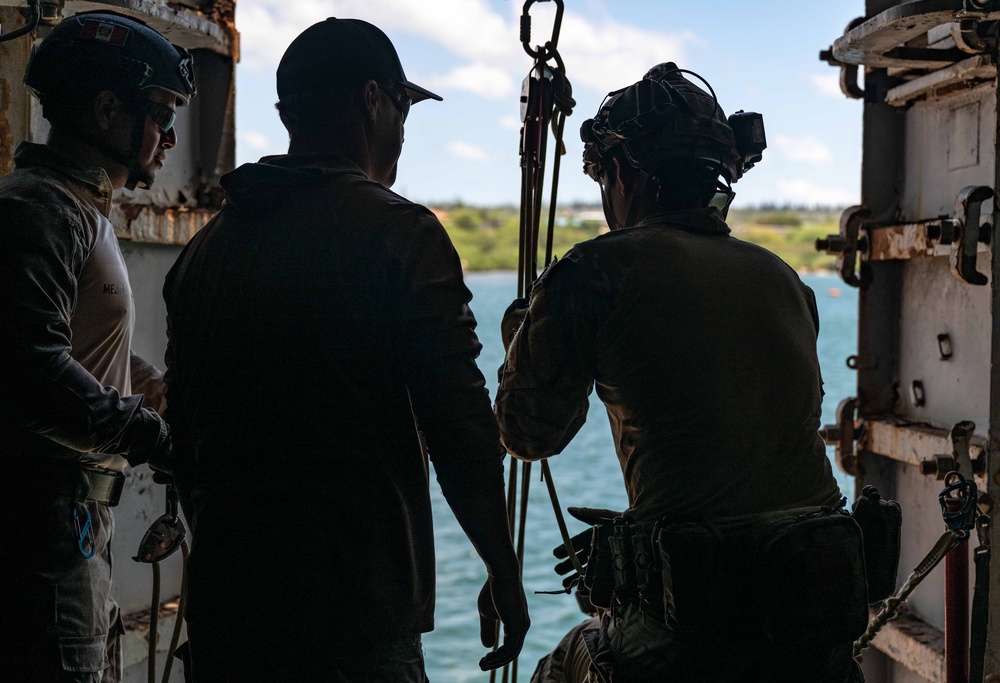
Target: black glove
{"x":161,"y":463}
{"x":152,"y":446}
{"x":512,"y":319}
{"x":581,"y":543}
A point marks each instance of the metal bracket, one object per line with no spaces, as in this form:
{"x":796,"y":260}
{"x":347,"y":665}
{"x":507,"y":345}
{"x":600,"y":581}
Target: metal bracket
{"x":968,"y":209}
{"x":843,"y":435}
{"x":31,"y":17}
{"x":848,"y":72}
{"x":847,"y":244}
{"x":960,"y":458}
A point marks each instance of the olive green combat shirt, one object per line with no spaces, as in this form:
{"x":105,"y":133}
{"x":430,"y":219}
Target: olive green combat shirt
{"x":702,"y":348}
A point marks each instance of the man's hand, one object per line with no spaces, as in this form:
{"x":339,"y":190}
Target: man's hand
{"x":512,"y":319}
{"x":502,"y":598}
{"x":581,"y":543}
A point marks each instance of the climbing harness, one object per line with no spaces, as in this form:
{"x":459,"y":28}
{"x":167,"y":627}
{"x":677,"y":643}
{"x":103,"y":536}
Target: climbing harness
{"x":959,"y":509}
{"x":160,"y":541}
{"x":546,"y":101}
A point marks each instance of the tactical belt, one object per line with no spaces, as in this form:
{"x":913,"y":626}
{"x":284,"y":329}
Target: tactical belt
{"x":772,"y":569}
{"x":69,"y":479}
{"x":105,"y":486}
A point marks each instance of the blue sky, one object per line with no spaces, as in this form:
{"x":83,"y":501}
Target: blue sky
{"x":759,"y":55}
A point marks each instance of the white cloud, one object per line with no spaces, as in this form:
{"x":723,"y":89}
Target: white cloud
{"x":802,"y":192}
{"x":509,"y":122}
{"x":806,"y":149}
{"x":600,"y":53}
{"x":468,"y":28}
{"x":467,"y":151}
{"x":256,"y":141}
{"x":484,"y":80}
{"x":827,"y":84}
{"x":610,"y":55}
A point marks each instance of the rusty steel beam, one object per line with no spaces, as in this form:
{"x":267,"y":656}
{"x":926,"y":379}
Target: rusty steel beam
{"x":963,"y":74}
{"x":908,"y":241}
{"x":14,"y":106}
{"x":917,"y":444}
{"x":914,"y":644}
{"x":881,"y":40}
{"x":212,"y":27}
{"x":158,"y":225}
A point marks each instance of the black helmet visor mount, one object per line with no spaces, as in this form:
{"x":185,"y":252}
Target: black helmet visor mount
{"x":665,"y":121}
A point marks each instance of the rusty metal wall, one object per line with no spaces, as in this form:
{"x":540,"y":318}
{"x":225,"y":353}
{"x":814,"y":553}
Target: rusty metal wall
{"x":920,"y":247}
{"x":152,"y":227}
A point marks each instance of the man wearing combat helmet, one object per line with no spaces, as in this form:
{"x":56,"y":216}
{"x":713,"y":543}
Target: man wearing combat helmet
{"x":78,"y":406}
{"x":703,"y":349}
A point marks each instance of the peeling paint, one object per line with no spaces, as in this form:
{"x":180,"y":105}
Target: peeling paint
{"x":158,"y":225}
{"x":912,"y":443}
{"x":907,"y":241}
{"x":6,"y":135}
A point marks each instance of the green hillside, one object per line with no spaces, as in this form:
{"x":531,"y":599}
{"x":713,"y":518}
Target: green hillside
{"x":487,"y":237}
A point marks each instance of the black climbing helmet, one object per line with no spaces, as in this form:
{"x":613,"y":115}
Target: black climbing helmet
{"x":102,"y":50}
{"x":665,"y":122}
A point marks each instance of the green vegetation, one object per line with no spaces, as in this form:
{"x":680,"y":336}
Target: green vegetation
{"x":487,"y":237}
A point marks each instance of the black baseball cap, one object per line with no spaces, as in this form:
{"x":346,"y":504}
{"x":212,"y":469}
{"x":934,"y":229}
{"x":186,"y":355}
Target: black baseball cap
{"x":342,"y":52}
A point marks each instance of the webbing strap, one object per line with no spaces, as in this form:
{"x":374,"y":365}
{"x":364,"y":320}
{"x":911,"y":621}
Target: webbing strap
{"x":980,"y":614}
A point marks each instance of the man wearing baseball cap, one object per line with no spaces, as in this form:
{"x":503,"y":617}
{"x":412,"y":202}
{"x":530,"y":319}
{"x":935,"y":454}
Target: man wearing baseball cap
{"x":321,"y":347}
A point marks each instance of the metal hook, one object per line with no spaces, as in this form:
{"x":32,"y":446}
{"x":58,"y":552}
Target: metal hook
{"x":549,"y":47}
{"x":82,"y":534}
{"x":32,"y":22}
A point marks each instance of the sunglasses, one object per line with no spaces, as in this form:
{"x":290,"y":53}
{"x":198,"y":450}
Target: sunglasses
{"x":163,"y":116}
{"x":399,"y":98}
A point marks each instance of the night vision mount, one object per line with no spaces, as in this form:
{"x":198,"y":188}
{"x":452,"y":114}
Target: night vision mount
{"x":664,"y":120}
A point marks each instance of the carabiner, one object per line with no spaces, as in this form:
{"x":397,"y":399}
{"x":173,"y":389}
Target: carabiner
{"x":545,"y":51}
{"x":82,"y":534}
{"x":958,"y":502}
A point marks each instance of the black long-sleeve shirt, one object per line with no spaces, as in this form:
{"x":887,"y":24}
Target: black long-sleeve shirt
{"x":310,"y":322}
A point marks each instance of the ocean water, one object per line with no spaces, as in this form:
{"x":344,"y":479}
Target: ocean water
{"x":586,"y":474}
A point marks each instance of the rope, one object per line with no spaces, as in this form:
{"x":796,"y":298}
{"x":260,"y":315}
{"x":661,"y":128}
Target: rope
{"x":179,"y":622}
{"x":949,"y":540}
{"x":154,"y":618}
{"x":560,"y":519}
{"x":548,"y":101}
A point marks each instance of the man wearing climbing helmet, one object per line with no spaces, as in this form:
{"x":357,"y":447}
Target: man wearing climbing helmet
{"x":703,"y":349}
{"x":336,"y":347}
{"x":78,"y":407}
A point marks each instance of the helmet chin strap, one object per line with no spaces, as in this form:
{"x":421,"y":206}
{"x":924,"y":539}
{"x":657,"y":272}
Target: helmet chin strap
{"x":130,"y":160}
{"x":633,"y":205}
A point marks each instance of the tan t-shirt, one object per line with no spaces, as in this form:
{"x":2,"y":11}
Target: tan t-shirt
{"x":103,"y":321}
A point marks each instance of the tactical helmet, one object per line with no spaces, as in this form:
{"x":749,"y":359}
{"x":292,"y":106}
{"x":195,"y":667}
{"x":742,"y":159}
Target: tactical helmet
{"x":665,"y":122}
{"x":101,"y":50}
